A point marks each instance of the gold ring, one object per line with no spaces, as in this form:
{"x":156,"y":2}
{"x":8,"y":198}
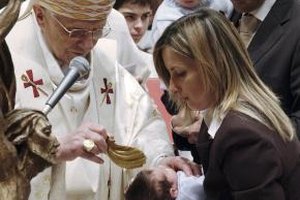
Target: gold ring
{"x":88,"y":145}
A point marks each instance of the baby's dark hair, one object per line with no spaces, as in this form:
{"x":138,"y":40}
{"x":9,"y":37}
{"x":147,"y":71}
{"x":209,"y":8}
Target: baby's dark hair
{"x":144,"y":187}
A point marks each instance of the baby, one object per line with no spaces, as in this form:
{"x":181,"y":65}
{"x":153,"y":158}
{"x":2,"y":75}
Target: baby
{"x":165,"y":184}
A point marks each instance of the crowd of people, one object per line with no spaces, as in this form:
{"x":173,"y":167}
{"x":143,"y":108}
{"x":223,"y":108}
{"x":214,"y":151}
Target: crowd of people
{"x":230,"y":71}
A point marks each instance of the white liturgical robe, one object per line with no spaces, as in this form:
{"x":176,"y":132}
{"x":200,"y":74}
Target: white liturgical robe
{"x":109,"y":96}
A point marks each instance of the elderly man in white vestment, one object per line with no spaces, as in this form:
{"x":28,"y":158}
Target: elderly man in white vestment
{"x":134,"y":60}
{"x":107,"y":101}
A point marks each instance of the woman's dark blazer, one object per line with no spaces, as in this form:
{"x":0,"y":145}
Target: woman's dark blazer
{"x":248,"y":161}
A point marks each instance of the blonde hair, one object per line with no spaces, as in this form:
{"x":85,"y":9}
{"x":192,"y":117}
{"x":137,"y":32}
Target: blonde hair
{"x":224,"y":67}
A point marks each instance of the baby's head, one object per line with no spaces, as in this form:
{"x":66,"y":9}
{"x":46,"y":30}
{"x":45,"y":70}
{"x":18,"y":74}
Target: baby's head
{"x":189,"y":4}
{"x":155,"y":184}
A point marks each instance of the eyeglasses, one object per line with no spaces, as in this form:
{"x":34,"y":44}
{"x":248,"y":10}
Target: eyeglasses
{"x":81,"y":33}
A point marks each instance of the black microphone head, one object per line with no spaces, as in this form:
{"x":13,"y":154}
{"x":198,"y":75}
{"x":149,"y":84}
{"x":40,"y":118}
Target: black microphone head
{"x":81,"y":64}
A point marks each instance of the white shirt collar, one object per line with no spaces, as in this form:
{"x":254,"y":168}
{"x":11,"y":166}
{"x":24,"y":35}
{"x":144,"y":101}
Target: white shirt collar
{"x":213,"y":124}
{"x":263,"y":10}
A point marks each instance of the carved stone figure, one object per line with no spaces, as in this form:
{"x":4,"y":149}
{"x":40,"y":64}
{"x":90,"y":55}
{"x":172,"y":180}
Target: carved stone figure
{"x":26,"y":146}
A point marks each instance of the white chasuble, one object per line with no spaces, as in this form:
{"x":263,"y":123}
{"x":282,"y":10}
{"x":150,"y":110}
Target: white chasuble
{"x":110,"y":96}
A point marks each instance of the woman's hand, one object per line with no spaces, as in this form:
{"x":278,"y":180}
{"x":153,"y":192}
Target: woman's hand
{"x":179,"y":163}
{"x":187,"y":125}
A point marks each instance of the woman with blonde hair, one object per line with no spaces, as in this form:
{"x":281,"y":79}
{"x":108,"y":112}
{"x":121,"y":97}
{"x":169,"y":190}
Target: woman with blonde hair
{"x":246,"y":144}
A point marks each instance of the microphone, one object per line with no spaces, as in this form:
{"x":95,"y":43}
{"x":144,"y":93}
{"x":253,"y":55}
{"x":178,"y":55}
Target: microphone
{"x":78,"y":68}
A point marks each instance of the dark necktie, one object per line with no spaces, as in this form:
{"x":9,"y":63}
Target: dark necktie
{"x":203,"y":146}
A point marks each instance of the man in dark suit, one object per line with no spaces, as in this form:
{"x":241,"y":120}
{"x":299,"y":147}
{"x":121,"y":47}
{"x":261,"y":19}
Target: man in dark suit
{"x":275,"y":48}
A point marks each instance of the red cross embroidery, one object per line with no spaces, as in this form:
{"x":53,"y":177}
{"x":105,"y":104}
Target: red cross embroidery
{"x":108,"y":89}
{"x":32,"y":83}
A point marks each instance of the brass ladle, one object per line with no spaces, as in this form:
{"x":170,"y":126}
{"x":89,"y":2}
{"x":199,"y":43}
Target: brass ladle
{"x":125,"y":156}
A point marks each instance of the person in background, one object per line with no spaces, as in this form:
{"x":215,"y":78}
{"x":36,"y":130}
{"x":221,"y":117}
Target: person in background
{"x":171,"y":10}
{"x":137,"y":14}
{"x":246,"y":144}
{"x":107,"y":102}
{"x":165,"y":184}
{"x":155,"y":5}
{"x":268,"y":27}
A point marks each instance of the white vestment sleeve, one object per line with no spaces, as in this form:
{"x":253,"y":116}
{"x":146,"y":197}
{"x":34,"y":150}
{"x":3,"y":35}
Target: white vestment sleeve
{"x":137,"y":62}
